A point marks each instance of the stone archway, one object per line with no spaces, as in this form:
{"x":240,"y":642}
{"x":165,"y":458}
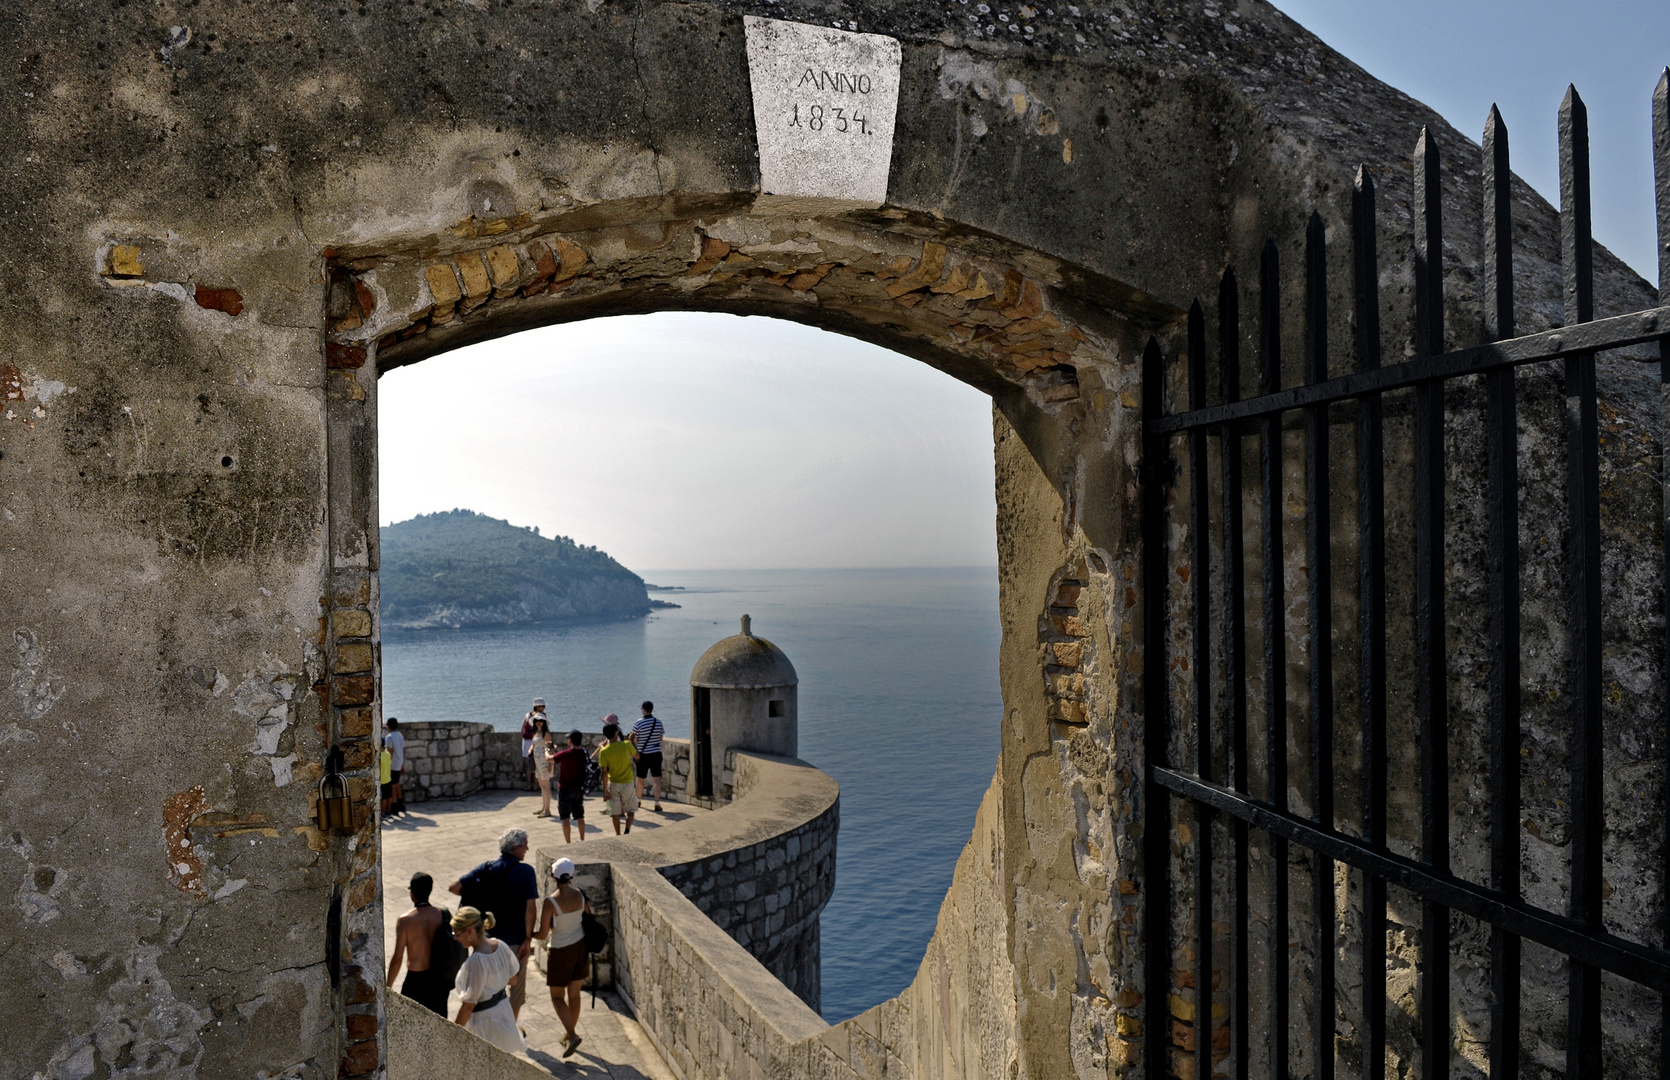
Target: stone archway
{"x":1044,"y":351}
{"x":222,"y":223}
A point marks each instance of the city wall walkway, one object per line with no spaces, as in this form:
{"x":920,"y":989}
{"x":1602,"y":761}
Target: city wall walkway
{"x":446,"y":838}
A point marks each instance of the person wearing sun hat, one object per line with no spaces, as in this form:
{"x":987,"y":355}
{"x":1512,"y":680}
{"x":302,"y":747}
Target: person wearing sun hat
{"x":566,"y":964}
{"x":537,"y":712}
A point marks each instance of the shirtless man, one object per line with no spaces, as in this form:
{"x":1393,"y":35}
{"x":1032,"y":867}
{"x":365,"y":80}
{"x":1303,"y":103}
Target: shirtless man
{"x":414,"y":933}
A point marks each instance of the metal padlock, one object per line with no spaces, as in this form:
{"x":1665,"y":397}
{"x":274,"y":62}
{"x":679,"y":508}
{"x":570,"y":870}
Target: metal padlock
{"x":335,"y":811}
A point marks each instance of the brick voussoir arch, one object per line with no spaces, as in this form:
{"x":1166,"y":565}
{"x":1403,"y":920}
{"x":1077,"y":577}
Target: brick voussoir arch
{"x":948,"y":295}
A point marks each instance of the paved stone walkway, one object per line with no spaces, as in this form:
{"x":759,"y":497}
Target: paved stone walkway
{"x":448,"y":838}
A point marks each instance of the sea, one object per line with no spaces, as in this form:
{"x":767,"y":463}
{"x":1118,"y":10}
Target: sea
{"x":898,"y":696}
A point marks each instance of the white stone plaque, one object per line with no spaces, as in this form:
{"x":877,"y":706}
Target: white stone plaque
{"x":824,"y":104}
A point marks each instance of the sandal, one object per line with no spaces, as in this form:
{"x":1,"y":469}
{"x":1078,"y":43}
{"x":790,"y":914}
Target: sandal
{"x":571,"y":1045}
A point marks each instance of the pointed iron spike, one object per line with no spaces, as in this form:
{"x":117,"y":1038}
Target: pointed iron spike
{"x":1229,"y":339}
{"x":1428,"y":205}
{"x":1197,"y":355}
{"x":1661,"y":172}
{"x":1269,"y":319}
{"x":1498,"y":231}
{"x":1316,"y":299}
{"x":1576,"y":231}
{"x":1365,"y":270}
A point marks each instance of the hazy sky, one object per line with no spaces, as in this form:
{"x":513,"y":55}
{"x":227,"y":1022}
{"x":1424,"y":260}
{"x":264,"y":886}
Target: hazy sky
{"x":707,"y":441}
{"x":1459,"y":56}
{"x":699,"y":441}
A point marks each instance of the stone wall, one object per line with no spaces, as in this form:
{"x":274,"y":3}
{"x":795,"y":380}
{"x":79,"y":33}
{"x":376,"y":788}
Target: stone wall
{"x":448,"y":759}
{"x":425,"y":1046}
{"x":768,"y":895}
{"x":451,"y":759}
{"x":760,"y":868}
{"x":443,"y":759}
{"x":713,"y":1011}
{"x":679,"y":768}
{"x":223,"y":233}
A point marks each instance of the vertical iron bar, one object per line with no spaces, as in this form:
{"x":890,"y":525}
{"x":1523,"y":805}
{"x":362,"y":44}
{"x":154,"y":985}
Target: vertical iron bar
{"x":1371,"y":547}
{"x":1502,"y":502}
{"x":1583,"y":496}
{"x":1275,"y":640}
{"x":1318,"y":542}
{"x":1235,"y":655}
{"x":1661,"y":173}
{"x":1200,"y":525}
{"x":1430,"y":667}
{"x":1156,"y":474}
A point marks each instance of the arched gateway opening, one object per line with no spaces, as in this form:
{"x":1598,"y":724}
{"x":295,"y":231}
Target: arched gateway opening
{"x":699,"y":450}
{"x":226,"y":225}
{"x":967,"y":307}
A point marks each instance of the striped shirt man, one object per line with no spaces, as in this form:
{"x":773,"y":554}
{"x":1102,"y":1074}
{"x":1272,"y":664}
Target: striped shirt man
{"x":646,"y":733}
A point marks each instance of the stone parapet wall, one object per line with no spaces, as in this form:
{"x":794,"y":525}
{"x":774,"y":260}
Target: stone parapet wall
{"x":425,"y":1046}
{"x":712,"y":1010}
{"x":768,"y":895}
{"x":443,"y":759}
{"x":760,"y":869}
{"x":501,"y":761}
{"x":449,"y":759}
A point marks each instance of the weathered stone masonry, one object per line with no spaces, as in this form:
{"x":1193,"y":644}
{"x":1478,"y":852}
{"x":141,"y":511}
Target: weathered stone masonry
{"x":202,"y":201}
{"x":760,"y":868}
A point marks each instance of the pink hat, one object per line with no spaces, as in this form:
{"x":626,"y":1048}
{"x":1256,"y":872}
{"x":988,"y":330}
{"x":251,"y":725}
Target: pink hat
{"x":611,"y":719}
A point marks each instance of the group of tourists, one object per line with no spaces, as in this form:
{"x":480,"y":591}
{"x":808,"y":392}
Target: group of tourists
{"x":624,"y":763}
{"x":482,"y":949}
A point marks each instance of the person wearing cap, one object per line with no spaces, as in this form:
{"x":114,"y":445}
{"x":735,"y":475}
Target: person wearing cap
{"x":566,"y":964}
{"x":414,"y":940}
{"x":569,"y":766}
{"x":537,"y":712}
{"x":616,"y":757}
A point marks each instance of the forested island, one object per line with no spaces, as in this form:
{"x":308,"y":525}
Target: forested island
{"x":459,"y":569}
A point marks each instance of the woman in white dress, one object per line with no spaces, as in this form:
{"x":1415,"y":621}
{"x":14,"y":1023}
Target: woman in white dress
{"x":481,"y":983}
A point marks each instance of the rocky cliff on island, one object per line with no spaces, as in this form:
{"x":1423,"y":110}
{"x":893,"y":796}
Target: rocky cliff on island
{"x":459,"y":569}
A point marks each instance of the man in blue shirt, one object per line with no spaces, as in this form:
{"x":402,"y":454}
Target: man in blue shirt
{"x":646,"y":736}
{"x":509,"y":889}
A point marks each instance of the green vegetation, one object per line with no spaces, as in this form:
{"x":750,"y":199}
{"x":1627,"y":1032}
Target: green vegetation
{"x":460,"y":568}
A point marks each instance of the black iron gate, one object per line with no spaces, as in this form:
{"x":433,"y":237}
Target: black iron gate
{"x":1219,"y":614}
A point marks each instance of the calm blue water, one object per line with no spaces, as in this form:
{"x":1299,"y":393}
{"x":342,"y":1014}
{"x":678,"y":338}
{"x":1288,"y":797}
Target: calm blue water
{"x":899,"y":702}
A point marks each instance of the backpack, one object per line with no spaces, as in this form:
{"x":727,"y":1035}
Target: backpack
{"x":596,"y":935}
{"x":594,"y":776}
{"x":480,"y":885}
{"x":446,"y":956}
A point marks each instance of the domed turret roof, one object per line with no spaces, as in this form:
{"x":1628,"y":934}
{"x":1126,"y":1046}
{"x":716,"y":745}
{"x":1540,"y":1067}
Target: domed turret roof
{"x":743,"y":662}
